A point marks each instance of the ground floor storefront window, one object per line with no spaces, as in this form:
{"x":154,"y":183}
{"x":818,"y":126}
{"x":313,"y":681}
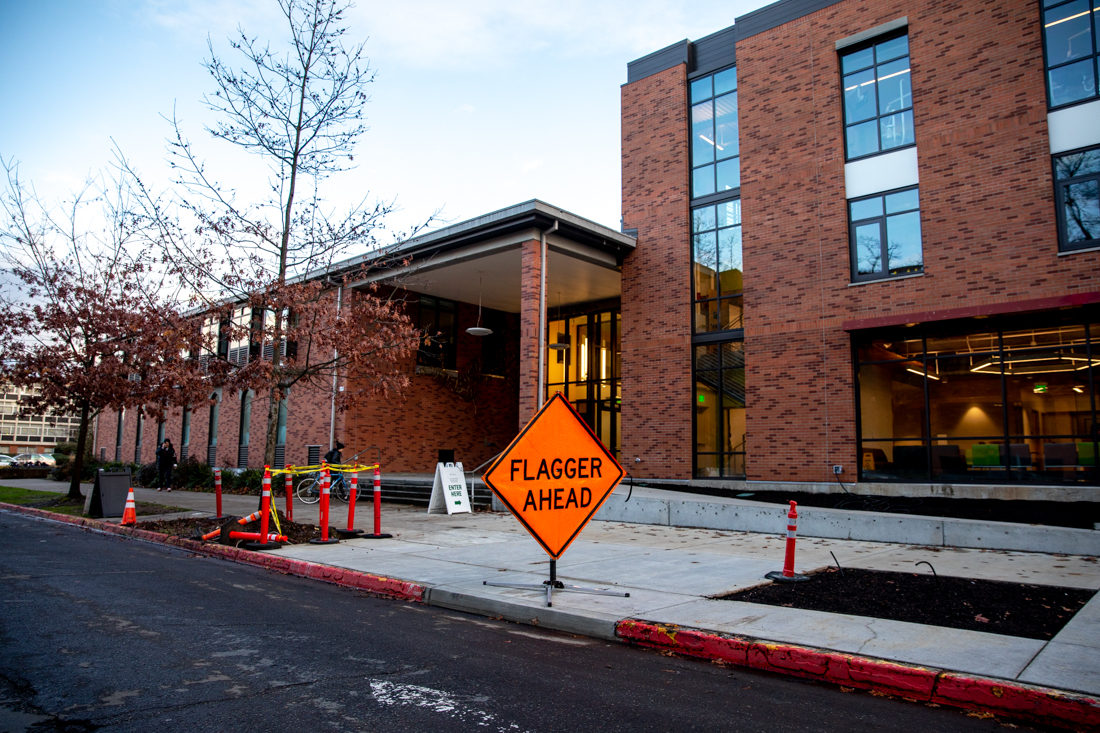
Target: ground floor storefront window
{"x":719,"y":407}
{"x":1009,"y":400}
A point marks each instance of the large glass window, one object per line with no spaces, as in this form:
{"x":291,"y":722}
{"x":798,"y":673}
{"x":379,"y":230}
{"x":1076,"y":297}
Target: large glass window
{"x":715,"y":150}
{"x":584,"y":363}
{"x":885,"y":235}
{"x":717,"y":267}
{"x":719,"y":405}
{"x":1077,"y":193}
{"x":439,"y":333}
{"x":1002,"y":405}
{"x":1070,"y":32}
{"x":878,"y":98}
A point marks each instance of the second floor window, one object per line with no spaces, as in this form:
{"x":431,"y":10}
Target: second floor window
{"x":878,"y":98}
{"x":717,"y":265}
{"x":438,"y":333}
{"x":1077,"y":192}
{"x":885,"y":235}
{"x":1070,"y":30}
{"x":715,"y":151}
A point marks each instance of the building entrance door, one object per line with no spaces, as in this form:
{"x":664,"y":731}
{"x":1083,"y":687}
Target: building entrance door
{"x":584,"y":363}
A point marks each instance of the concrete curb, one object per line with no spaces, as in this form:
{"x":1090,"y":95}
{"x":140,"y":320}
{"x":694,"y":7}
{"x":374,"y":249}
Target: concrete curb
{"x":376,"y":584}
{"x":594,"y":625}
{"x":910,"y":682}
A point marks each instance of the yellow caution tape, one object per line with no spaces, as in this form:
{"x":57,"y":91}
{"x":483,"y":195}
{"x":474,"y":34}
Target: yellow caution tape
{"x":335,"y":467}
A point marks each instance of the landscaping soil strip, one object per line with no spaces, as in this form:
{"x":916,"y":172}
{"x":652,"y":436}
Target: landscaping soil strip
{"x":991,"y":606}
{"x":922,"y":684}
{"x":909,"y":682}
{"x":376,"y":584}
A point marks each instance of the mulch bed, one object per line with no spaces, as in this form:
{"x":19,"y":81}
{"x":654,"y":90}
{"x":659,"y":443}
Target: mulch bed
{"x":1012,"y":609}
{"x":296,"y":532}
{"x":1078,"y":514}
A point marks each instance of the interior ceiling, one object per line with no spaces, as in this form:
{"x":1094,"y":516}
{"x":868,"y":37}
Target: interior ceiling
{"x":496,"y":277}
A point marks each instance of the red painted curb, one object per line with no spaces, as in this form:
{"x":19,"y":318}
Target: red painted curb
{"x":376,"y":584}
{"x":1011,"y":699}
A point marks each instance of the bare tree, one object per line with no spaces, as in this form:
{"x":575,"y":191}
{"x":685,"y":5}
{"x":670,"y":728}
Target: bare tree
{"x":301,"y":110}
{"x":87,"y":324}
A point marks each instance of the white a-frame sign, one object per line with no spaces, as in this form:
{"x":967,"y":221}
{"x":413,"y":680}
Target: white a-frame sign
{"x":449,"y":494}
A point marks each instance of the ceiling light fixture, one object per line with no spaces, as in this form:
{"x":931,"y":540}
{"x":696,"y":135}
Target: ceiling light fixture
{"x":922,"y":374}
{"x":563,"y":338}
{"x":712,"y":142}
{"x":1049,"y":363}
{"x":479,"y":330}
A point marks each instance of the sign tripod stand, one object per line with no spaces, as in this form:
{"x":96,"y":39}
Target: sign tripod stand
{"x":556,"y":585}
{"x":553,"y":477}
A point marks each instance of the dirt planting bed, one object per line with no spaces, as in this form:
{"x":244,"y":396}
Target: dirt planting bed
{"x":190,"y":528}
{"x":1012,"y":609}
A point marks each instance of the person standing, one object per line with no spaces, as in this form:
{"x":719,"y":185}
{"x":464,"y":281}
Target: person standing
{"x":166,"y":460}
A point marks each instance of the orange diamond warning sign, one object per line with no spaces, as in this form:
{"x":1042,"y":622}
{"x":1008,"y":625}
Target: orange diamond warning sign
{"x":554,"y":476}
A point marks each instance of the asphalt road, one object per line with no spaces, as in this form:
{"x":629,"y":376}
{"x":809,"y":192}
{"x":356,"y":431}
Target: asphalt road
{"x":104,"y":633}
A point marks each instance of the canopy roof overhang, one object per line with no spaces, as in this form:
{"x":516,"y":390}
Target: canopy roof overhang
{"x":482,"y":258}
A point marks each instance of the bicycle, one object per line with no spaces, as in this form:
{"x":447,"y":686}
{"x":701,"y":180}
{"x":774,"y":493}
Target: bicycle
{"x":309,"y":491}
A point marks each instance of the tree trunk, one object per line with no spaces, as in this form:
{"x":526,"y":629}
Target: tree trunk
{"x":78,"y":460}
{"x":272,"y":426}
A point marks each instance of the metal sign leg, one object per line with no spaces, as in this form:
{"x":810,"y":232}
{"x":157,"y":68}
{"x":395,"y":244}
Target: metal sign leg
{"x":553,"y":584}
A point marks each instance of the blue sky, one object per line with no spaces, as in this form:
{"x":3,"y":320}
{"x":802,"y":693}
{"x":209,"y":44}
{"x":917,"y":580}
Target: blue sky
{"x":478,"y":104}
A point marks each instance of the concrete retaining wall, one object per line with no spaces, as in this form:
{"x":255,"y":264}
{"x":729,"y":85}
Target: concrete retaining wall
{"x":669,"y":508}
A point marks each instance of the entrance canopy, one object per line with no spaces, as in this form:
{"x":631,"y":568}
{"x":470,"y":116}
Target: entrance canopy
{"x":485,"y":257}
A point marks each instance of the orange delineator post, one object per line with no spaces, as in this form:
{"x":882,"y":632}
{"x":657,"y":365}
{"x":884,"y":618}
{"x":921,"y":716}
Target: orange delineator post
{"x":255,"y":536}
{"x":792,"y":531}
{"x":290,"y":495}
{"x":325,"y":484}
{"x":242,"y":521}
{"x":351,"y":501}
{"x":218,"y":492}
{"x":377,"y":500}
{"x":129,"y":513}
{"x":265,"y":505}
{"x":377,"y":507}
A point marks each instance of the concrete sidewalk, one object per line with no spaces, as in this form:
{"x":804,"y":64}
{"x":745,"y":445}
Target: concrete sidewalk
{"x":672,"y":574}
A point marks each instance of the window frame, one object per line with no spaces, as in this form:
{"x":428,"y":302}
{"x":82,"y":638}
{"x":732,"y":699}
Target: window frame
{"x":447,"y":357}
{"x":691,"y":104}
{"x":1064,"y":244}
{"x":856,"y":48}
{"x":695,"y":301}
{"x":1094,"y":11}
{"x":852,"y":254}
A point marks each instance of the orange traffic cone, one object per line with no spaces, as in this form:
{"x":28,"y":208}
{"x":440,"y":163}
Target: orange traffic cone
{"x":129,"y":514}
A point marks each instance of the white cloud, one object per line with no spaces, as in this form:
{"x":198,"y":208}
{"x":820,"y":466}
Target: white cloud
{"x":446,"y":34}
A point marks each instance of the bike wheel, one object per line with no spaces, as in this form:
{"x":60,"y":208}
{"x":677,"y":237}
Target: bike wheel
{"x":342,"y":491}
{"x":309,"y":491}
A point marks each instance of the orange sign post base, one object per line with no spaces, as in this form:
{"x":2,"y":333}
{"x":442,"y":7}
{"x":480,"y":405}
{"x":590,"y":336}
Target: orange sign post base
{"x":554,"y":477}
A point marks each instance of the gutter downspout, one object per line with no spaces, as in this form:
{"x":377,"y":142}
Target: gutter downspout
{"x":332,"y":413}
{"x":542,"y":317}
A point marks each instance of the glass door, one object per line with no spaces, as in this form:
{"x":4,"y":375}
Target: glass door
{"x":584,"y":361}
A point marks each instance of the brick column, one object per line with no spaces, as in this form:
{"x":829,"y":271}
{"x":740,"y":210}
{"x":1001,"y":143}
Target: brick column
{"x":656,"y":280}
{"x":530,"y":340}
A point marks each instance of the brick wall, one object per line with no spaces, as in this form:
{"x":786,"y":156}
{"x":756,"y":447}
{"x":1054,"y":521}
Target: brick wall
{"x":530,"y":339}
{"x":987,"y":210}
{"x":410,"y":427}
{"x":656,"y":289}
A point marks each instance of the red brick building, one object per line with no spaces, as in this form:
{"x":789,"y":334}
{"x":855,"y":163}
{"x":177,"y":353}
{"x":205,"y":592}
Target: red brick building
{"x":485,"y":272}
{"x":868,"y":236}
{"x":857,"y":234}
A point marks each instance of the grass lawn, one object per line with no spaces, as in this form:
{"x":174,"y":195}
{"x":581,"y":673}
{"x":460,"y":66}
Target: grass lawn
{"x":61,"y":504}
